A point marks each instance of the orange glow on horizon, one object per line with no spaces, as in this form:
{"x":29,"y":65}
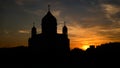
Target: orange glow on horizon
{"x":84,"y":37}
{"x":84,"y":47}
{"x":84,"y":43}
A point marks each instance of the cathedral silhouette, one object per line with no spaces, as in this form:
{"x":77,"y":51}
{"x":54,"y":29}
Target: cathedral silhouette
{"x":49,"y":40}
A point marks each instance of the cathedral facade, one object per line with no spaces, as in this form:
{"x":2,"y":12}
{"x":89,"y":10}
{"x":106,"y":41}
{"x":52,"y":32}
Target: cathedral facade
{"x":49,"y":40}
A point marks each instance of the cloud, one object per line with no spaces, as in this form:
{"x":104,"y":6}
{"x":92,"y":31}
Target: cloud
{"x":112,"y":2}
{"x":23,"y":2}
{"x":19,"y":2}
{"x":111,"y":34}
{"x":112,"y":12}
{"x":56,"y":13}
{"x":23,"y":31}
{"x":111,"y":9}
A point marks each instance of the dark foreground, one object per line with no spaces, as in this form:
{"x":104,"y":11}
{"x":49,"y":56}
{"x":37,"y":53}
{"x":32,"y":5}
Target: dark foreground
{"x":106,"y":55}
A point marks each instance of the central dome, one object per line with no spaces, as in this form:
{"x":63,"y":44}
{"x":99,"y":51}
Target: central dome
{"x":49,"y":23}
{"x":49,"y":17}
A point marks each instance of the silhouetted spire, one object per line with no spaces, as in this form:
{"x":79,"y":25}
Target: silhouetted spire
{"x":33,"y":31}
{"x":48,"y":7}
{"x":65,"y":30}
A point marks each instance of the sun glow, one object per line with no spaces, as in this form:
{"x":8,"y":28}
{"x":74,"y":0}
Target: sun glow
{"x":84,"y":47}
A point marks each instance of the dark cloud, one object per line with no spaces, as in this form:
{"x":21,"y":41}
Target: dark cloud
{"x":116,"y":16}
{"x":80,"y":11}
{"x":111,"y":34}
{"x":113,"y":2}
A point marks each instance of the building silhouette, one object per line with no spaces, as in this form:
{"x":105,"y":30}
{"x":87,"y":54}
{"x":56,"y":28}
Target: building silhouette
{"x":49,"y":40}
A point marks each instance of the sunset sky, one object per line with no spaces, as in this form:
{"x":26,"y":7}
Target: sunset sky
{"x":89,"y":22}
